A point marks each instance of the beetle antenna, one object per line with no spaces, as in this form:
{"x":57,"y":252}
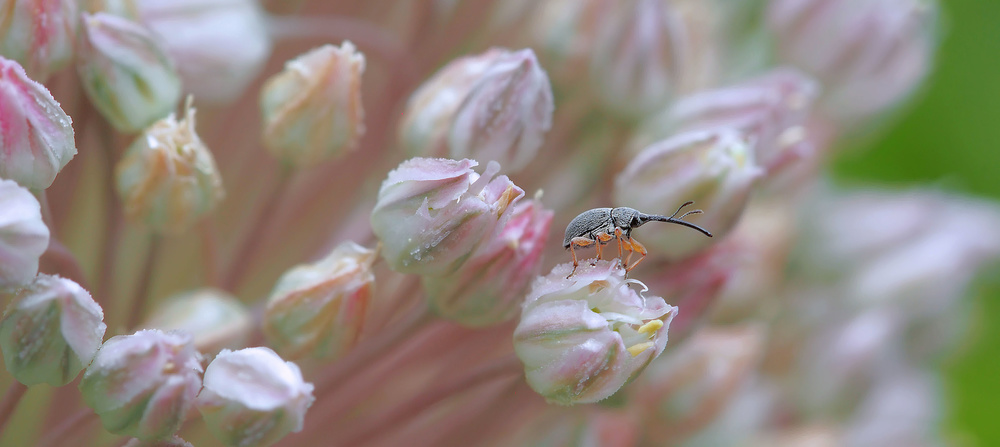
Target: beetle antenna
{"x":678,"y":221}
{"x":689,"y":202}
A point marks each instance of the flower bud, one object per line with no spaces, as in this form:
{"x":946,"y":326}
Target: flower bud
{"x":582,"y":338}
{"x":715,"y":169}
{"x":253,"y":398}
{"x":126,"y":72}
{"x":219,"y":46}
{"x":432,"y":214}
{"x":168,"y":179}
{"x":489,"y":287}
{"x":319,"y":309}
{"x":215,"y":319}
{"x":868,"y":55}
{"x":23,"y":235}
{"x":38,"y":34}
{"x":173,"y":441}
{"x":142,"y":385}
{"x":638,"y":57}
{"x":35,"y":133}
{"x":312,"y":110}
{"x":50,"y":331}
{"x":496,"y":106}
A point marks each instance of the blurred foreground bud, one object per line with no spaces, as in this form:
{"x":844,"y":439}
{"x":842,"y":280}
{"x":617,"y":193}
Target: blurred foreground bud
{"x":38,"y":34}
{"x":171,"y":442}
{"x":583,"y":338}
{"x":489,"y":287}
{"x":319,"y":309}
{"x":23,"y":235}
{"x":142,"y":385}
{"x":125,"y":72}
{"x":312,"y":110}
{"x":638,"y":58}
{"x":36,"y":135}
{"x":121,"y":8}
{"x":215,"y":319}
{"x":433,"y":213}
{"x":219,"y":46}
{"x":50,"y":331}
{"x":868,"y":55}
{"x":168,"y":179}
{"x":253,"y":398}
{"x":494,"y":106}
{"x":715,"y":169}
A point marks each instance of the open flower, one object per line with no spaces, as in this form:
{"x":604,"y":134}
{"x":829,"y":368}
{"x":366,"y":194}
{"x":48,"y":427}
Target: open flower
{"x":582,"y":338}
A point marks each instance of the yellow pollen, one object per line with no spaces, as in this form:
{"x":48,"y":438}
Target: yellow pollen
{"x":639,"y":348}
{"x":651,"y":327}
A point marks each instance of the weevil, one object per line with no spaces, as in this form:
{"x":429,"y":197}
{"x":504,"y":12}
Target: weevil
{"x":601,"y":225}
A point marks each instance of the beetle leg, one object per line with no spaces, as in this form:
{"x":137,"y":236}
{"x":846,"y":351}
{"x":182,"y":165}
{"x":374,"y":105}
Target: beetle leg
{"x":636,"y":246}
{"x":618,"y":236}
{"x":573,"y":243}
{"x":602,"y":239}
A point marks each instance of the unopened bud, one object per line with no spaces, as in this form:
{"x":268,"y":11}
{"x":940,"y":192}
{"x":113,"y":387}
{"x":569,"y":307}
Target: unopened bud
{"x":319,"y":309}
{"x":432,"y":214}
{"x":312,"y":110}
{"x":638,"y":58}
{"x":489,"y":287}
{"x":496,"y":106}
{"x":35,"y":133}
{"x":23,"y":235}
{"x":168,"y":178}
{"x":215,"y":319}
{"x":126,"y":72}
{"x":143,"y":385}
{"x":38,"y":34}
{"x":219,"y":46}
{"x":253,"y":398}
{"x":715,"y":169}
{"x":50,"y":331}
{"x":584,"y":337}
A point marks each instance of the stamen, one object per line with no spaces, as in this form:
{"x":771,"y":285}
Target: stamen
{"x":651,"y":327}
{"x":640,"y":348}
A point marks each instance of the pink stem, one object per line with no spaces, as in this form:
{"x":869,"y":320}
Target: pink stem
{"x":10,"y":400}
{"x":62,"y":434}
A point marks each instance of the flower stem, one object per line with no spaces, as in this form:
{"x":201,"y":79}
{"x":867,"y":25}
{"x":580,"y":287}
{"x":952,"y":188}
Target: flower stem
{"x":141,"y":297}
{"x":10,"y":400}
{"x":63,"y":433}
{"x":113,"y":220}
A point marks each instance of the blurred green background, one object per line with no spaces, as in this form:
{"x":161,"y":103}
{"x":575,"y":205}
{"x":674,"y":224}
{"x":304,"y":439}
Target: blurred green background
{"x":949,"y":137}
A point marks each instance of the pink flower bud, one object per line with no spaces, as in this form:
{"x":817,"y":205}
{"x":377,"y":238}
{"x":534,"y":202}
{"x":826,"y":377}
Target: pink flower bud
{"x":489,"y":287}
{"x":23,"y":235}
{"x":215,"y":319}
{"x":319,"y":309}
{"x":38,"y":34}
{"x":868,"y":55}
{"x":638,"y":57}
{"x":126,"y":72}
{"x":432,"y":214}
{"x":715,"y":169}
{"x":583,"y":338}
{"x":168,"y":179}
{"x":312,"y":110}
{"x":142,"y":385}
{"x":50,"y":331}
{"x":36,"y":135}
{"x":253,"y":398}
{"x":171,"y":442}
{"x":494,"y":106}
{"x":219,"y":46}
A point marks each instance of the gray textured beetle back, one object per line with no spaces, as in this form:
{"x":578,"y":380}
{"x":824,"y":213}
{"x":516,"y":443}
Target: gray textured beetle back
{"x":588,"y":223}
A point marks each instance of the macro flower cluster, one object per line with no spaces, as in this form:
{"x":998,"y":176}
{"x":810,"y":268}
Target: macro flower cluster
{"x":354,"y":241}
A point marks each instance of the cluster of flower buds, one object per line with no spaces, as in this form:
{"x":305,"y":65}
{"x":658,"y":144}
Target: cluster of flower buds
{"x":38,"y":34}
{"x":23,"y":235}
{"x":495,"y":106}
{"x":583,"y":337}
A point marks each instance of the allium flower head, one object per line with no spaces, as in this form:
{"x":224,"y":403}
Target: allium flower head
{"x":215,"y":319}
{"x":582,"y":338}
{"x":36,"y":135}
{"x":38,"y":34}
{"x":312,"y":110}
{"x":433,"y":213}
{"x":50,"y":331}
{"x":126,"y":72}
{"x":23,"y":235}
{"x":168,"y":178}
{"x":715,"y":169}
{"x":142,"y":385}
{"x":253,"y":398}
{"x":489,"y":287}
{"x":319,"y":308}
{"x":496,"y":106}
